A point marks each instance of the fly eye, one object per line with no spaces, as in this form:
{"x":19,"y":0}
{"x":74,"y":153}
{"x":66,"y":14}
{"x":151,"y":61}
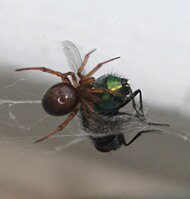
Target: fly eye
{"x":124,"y":82}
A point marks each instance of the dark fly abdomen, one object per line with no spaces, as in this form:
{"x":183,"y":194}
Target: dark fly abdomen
{"x":106,"y":107}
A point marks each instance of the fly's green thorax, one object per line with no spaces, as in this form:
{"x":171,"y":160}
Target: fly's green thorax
{"x":108,"y":102}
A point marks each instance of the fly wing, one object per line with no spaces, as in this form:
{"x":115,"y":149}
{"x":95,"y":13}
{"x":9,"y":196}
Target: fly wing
{"x":130,"y":123}
{"x":73,"y":56}
{"x":99,"y":125}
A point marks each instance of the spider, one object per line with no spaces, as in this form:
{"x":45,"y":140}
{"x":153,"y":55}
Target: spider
{"x":72,"y":94}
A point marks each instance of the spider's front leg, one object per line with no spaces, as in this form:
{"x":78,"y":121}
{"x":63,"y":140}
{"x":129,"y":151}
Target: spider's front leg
{"x":64,"y":76}
{"x":101,"y":90}
{"x":98,"y":67}
{"x":84,"y":62}
{"x":43,"y":69}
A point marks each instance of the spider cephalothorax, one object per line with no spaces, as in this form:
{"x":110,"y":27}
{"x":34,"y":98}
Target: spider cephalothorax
{"x":69,"y":96}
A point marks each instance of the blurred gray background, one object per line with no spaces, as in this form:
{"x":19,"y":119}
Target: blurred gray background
{"x":152,"y":38}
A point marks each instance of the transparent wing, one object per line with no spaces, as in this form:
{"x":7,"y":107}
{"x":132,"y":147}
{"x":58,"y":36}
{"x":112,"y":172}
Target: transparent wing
{"x":99,"y":125}
{"x":124,"y":123}
{"x":127,"y":124}
{"x":73,"y":56}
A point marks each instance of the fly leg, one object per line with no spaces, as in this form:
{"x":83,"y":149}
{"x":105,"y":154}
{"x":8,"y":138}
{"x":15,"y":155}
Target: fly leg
{"x":138,"y":135}
{"x":131,"y":97}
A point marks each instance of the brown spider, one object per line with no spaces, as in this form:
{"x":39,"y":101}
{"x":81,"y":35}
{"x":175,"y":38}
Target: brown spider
{"x":69,"y":96}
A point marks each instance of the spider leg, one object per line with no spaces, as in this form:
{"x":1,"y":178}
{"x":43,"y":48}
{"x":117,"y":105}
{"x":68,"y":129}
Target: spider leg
{"x":100,"y":90}
{"x":90,"y":81}
{"x":64,"y":76}
{"x":98,"y":67}
{"x":84,"y":109}
{"x":138,"y":135}
{"x":87,"y":105}
{"x":84,"y":62}
{"x":87,"y":109}
{"x":61,"y":126}
{"x":74,"y":79}
{"x":91,"y":97}
{"x":43,"y":69}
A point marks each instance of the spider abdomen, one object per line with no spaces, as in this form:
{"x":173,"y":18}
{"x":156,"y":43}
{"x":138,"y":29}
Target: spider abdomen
{"x":60,"y":99}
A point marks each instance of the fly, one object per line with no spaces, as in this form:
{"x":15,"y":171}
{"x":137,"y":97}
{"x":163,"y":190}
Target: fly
{"x":108,"y":124}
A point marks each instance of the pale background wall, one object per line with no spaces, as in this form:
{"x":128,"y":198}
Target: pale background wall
{"x":152,"y":38}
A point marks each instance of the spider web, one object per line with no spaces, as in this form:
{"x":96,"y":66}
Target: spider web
{"x":23,"y":120}
{"x":22,"y":117}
